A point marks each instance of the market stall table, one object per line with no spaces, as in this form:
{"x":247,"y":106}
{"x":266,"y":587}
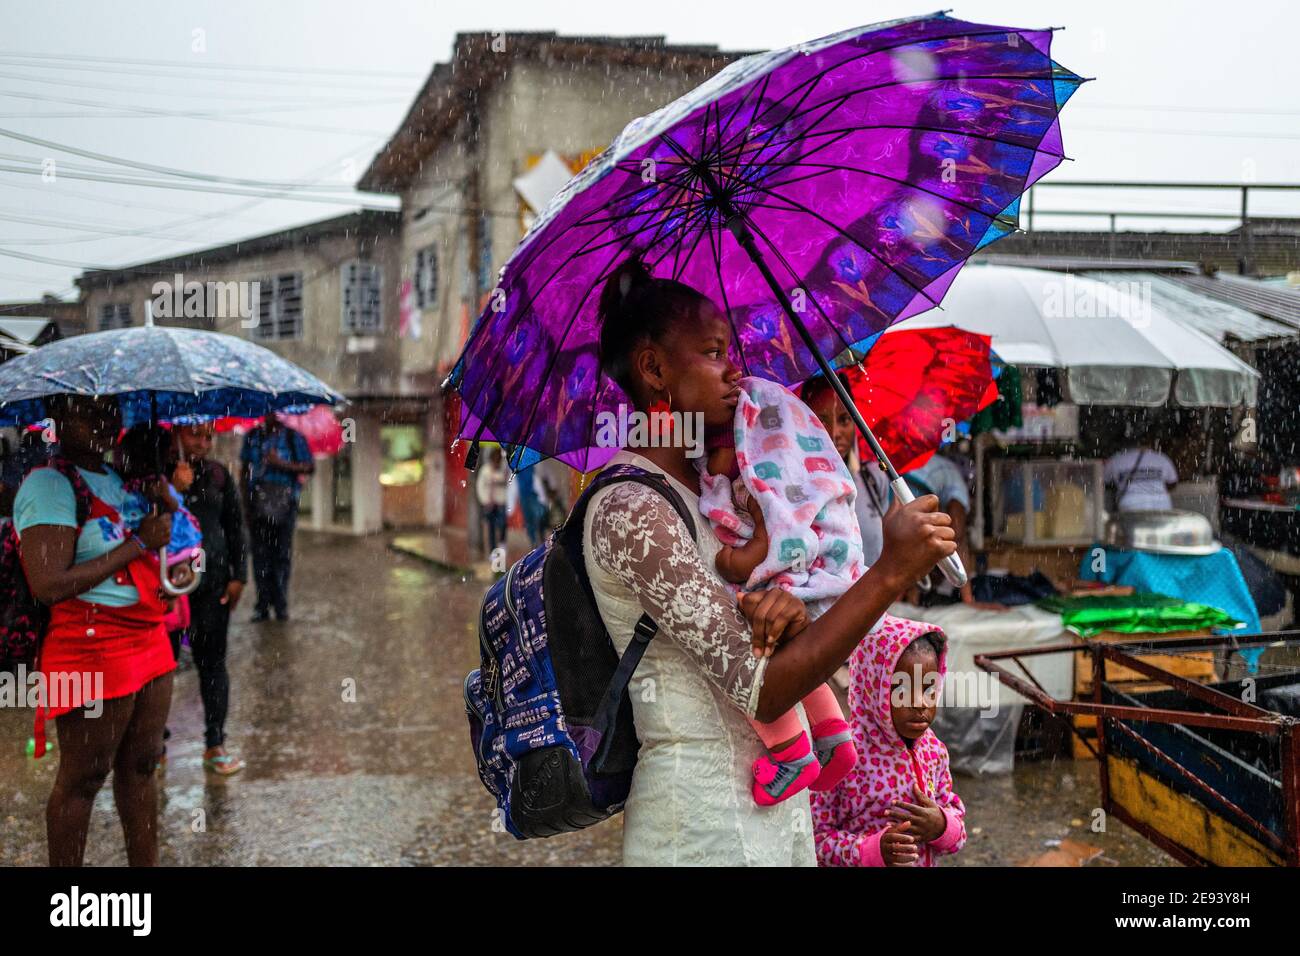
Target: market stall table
{"x":1211,"y":579}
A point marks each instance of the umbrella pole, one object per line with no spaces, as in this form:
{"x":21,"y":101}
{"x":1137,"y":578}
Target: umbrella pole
{"x":951,"y":566}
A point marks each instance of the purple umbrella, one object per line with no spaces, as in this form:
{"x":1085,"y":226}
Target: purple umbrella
{"x":818,"y":194}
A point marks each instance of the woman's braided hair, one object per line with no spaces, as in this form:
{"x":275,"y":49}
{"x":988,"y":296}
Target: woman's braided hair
{"x":636,"y":307}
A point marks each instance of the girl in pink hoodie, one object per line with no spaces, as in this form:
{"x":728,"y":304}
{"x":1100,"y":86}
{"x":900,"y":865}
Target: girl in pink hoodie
{"x":897,"y":806}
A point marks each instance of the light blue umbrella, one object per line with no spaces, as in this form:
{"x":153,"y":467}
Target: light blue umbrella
{"x":160,"y":373}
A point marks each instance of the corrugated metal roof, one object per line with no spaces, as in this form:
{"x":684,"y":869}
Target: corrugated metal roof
{"x":1212,"y":315}
{"x":1280,"y":304}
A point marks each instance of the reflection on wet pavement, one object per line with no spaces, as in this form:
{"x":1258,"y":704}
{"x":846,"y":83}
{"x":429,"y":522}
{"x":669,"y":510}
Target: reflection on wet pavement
{"x":351,"y":719}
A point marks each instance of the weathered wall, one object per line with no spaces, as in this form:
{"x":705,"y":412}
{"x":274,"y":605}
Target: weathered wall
{"x":323,"y":348}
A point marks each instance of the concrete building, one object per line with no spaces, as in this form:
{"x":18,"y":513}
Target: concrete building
{"x":324,"y":296}
{"x":63,"y":318}
{"x":482,"y":120}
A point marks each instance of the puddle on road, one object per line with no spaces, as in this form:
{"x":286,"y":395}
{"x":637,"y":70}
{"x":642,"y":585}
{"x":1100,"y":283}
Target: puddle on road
{"x":351,"y":719}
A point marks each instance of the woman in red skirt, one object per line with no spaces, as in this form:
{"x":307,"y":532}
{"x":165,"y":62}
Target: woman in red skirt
{"x":105,"y":650}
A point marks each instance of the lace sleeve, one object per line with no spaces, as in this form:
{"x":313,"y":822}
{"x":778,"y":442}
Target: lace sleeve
{"x":639,"y":538}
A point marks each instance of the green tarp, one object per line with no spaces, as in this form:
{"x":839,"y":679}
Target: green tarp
{"x":1135,"y":614}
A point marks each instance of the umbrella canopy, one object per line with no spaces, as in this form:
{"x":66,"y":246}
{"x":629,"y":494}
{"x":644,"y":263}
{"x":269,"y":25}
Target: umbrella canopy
{"x":916,"y":385}
{"x":323,"y":432}
{"x":159,"y":373}
{"x":1115,"y":346}
{"x":858,"y":172}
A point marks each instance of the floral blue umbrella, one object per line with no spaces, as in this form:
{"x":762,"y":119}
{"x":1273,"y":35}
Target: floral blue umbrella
{"x":160,"y":373}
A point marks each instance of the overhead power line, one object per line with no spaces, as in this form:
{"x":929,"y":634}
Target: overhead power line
{"x":344,"y":200}
{"x":259,"y":95}
{"x":163,"y":170}
{"x":197,"y":65}
{"x":120,"y":110}
{"x":315,"y":82}
{"x":47,"y":260}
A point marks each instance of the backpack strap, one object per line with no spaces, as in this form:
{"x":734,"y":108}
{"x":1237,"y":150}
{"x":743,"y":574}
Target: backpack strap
{"x":612,"y":702}
{"x":646,"y":627}
{"x":80,"y":490}
{"x":1128,"y":479}
{"x":617,"y":475}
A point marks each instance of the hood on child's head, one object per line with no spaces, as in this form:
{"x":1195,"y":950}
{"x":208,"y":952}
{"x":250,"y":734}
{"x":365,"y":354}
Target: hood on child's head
{"x":872,"y":668}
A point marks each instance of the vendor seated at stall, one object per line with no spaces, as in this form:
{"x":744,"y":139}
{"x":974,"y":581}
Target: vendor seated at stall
{"x":1141,"y":476}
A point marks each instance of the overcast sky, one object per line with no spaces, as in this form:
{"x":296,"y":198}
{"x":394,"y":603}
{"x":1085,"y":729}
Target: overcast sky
{"x":303,"y":91}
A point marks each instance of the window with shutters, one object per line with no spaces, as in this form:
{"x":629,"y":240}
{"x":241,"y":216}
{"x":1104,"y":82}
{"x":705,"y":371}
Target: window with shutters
{"x":114,"y":315}
{"x":426,"y":277}
{"x":279,"y":309}
{"x":362,"y":310}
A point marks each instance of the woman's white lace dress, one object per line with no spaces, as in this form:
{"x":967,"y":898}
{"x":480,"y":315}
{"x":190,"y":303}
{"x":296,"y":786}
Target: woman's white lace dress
{"x":690,"y":802}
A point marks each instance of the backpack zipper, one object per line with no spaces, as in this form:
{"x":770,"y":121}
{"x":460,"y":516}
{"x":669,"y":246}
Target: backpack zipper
{"x":493,"y":675}
{"x":469,"y":704}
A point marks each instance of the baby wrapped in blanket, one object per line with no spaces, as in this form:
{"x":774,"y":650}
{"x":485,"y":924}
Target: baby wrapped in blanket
{"x":781,"y":501}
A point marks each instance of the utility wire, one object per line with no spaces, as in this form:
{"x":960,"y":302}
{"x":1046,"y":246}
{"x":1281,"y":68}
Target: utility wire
{"x":152,"y":168}
{"x":195,"y":94}
{"x":64,"y":192}
{"x":279,"y":82}
{"x":217,"y":116}
{"x":340,"y":199}
{"x":148,"y":254}
{"x":191,"y":65}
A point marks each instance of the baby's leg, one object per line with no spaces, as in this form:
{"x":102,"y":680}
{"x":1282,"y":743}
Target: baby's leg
{"x":782,"y":732}
{"x":789,"y":765}
{"x":822,"y":704}
{"x":832,"y":737}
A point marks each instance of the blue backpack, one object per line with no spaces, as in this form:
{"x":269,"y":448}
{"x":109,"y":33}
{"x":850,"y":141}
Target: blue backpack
{"x":549,"y":715}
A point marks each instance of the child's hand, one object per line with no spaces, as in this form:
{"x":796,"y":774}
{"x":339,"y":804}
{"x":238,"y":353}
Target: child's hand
{"x":925,"y":816}
{"x":774,"y":615}
{"x":182,"y":476}
{"x":898,"y":847}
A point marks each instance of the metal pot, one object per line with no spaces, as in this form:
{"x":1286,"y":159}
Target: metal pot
{"x":1162,"y":532}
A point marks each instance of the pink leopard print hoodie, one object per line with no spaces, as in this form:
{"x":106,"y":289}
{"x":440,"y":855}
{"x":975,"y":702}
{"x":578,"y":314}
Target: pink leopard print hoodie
{"x":849,"y":820}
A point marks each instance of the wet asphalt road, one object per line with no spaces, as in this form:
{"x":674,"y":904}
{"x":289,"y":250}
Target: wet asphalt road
{"x":387,"y":778}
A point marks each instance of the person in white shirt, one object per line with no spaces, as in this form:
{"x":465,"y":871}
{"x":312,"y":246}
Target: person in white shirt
{"x":1142,"y":478}
{"x":491,"y":486}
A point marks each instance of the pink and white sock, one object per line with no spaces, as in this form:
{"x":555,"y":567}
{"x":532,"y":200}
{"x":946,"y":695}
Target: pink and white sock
{"x":780,"y":774}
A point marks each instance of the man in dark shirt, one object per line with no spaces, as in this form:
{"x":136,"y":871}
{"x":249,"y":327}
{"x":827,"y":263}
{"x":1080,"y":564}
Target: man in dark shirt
{"x":213,"y":498}
{"x":273,"y":459}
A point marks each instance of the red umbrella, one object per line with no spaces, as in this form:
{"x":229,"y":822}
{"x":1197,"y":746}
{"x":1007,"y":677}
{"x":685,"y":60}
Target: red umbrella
{"x":318,"y":425}
{"x":919,"y":384}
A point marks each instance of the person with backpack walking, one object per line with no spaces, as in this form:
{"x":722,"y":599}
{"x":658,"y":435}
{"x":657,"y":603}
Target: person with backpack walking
{"x":705,"y":673}
{"x":274,"y":458}
{"x":101,"y":584}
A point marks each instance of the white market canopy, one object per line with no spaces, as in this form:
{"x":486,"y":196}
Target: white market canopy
{"x":1115,"y":346}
